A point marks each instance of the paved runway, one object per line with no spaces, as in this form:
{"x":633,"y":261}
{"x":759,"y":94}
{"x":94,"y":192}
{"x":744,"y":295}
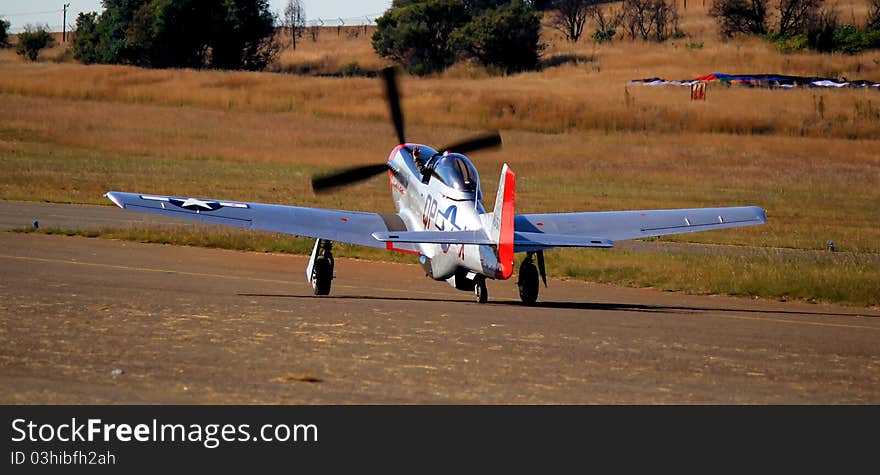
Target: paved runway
{"x":190,"y":325}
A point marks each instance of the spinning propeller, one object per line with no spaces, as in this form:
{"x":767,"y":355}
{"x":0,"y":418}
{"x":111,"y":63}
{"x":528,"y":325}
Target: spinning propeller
{"x":355,"y":174}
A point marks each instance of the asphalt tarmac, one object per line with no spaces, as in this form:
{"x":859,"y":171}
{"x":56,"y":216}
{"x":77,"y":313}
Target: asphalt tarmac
{"x":100,"y":321}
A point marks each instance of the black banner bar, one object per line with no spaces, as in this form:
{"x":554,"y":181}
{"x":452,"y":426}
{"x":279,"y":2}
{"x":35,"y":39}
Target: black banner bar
{"x":426,"y":438}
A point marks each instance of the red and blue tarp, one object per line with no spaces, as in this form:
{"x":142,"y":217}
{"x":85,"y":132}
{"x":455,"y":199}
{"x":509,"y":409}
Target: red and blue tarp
{"x":760,"y":80}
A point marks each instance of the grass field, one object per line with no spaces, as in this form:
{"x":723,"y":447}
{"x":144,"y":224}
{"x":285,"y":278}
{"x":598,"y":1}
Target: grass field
{"x":577,"y":136}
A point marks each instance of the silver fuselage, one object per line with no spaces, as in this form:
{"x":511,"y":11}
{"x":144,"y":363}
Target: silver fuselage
{"x":435,"y":206}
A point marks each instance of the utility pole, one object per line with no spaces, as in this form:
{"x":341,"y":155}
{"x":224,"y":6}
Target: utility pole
{"x":339,"y":28}
{"x":64,"y":25}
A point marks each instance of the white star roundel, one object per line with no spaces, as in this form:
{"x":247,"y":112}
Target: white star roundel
{"x":194,"y":204}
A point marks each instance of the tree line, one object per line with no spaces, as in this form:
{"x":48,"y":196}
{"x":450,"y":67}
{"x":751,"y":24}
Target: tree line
{"x":427,"y":36}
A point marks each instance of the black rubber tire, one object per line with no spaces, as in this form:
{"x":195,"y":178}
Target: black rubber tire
{"x":528,"y":283}
{"x":322,"y":276}
{"x":480,"y":291}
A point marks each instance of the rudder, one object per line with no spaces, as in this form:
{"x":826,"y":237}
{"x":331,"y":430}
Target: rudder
{"x":501,"y":230}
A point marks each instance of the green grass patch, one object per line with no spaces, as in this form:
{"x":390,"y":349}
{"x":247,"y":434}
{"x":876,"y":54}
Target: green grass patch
{"x":811,"y":276}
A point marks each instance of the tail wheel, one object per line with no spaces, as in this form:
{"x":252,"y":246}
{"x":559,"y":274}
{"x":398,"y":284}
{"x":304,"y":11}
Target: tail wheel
{"x":322,"y":275}
{"x":528,"y":282}
{"x":480,"y":291}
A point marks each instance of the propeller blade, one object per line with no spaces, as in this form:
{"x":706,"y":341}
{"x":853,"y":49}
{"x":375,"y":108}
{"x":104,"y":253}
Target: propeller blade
{"x":346,"y":177}
{"x":541,"y":269}
{"x":393,"y":96}
{"x":476,"y":143}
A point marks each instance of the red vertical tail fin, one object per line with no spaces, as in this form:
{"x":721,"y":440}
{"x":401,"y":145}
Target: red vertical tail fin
{"x":502,"y":222}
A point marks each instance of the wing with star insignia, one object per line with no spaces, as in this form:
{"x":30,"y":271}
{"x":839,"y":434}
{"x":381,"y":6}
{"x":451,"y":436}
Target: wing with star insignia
{"x":353,"y":227}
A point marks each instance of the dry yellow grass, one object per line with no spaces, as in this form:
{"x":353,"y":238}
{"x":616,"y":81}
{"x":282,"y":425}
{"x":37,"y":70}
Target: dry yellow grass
{"x":574,"y":97}
{"x":332,"y":50}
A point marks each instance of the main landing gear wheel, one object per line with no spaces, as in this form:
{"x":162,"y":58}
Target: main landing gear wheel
{"x":528,"y":282}
{"x":322,"y":271}
{"x":322,"y":276}
{"x":480,"y":291}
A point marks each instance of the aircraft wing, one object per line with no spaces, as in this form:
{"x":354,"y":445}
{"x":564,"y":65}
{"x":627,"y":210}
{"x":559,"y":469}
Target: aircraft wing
{"x":352,"y":227}
{"x":623,"y":225}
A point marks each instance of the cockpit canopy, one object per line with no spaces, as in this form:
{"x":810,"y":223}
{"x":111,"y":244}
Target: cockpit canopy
{"x":456,"y":171}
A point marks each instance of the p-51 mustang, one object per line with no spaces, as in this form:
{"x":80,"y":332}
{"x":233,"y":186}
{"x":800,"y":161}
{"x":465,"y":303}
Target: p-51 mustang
{"x":441,"y":218}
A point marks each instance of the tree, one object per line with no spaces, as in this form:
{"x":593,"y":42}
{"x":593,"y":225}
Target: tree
{"x":650,"y":19}
{"x":506,"y":37}
{"x":606,"y":22}
{"x":417,"y":35}
{"x":244,"y":37}
{"x":171,"y":33}
{"x":796,"y":15}
{"x":427,"y":36}
{"x":570,"y":17}
{"x":295,"y":19}
{"x":224,"y":34}
{"x":664,"y":19}
{"x":4,"y":33}
{"x":111,"y":31}
{"x":85,"y":42}
{"x":32,"y":40}
{"x":740,"y":16}
{"x":635,"y":18}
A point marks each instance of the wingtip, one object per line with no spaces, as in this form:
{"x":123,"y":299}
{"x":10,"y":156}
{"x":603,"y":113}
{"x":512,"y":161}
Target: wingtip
{"x":110,"y":195}
{"x":762,"y":215}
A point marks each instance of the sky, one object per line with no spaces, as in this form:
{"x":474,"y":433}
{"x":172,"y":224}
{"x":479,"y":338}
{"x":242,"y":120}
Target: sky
{"x":21,"y":12}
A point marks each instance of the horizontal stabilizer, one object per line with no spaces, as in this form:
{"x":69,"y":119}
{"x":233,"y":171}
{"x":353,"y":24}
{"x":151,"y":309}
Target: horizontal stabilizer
{"x":623,"y":225}
{"x":559,"y":240}
{"x":435,"y":237}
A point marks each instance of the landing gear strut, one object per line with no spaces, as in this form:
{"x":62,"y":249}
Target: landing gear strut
{"x":528,"y":281}
{"x":322,"y":269}
{"x":480,"y":290}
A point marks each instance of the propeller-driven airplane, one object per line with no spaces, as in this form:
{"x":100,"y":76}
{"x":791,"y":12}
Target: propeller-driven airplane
{"x":441,"y":219}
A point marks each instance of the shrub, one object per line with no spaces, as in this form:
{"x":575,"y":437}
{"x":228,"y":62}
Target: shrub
{"x":850,"y":40}
{"x":32,"y":40}
{"x":352,"y":69}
